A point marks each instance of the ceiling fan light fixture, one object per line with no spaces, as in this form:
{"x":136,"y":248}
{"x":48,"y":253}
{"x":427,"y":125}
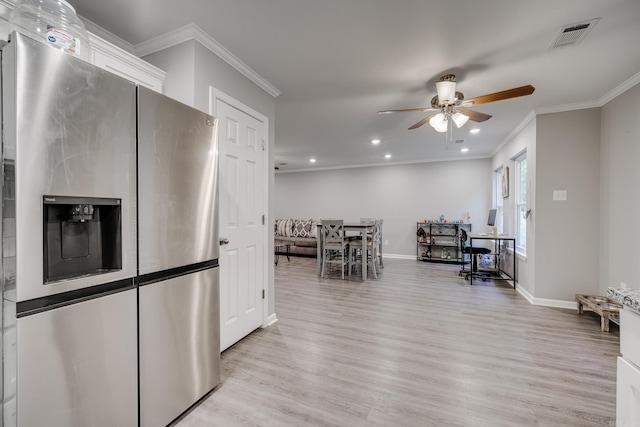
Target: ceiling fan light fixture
{"x":450,"y":104}
{"x":460,"y":119}
{"x":446,"y":91}
{"x":439,"y":122}
{"x":442,"y":128}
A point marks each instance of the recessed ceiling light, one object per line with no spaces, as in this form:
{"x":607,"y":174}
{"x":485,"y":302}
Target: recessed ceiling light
{"x":464,"y":150}
{"x":387,"y":156}
{"x":375,"y":141}
{"x":312,"y":160}
{"x":474,"y":130}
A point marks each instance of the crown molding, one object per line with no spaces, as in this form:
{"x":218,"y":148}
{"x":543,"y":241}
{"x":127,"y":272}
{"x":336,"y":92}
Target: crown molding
{"x":617,"y":91}
{"x":375,"y":165}
{"x":611,"y":95}
{"x":625,"y":86}
{"x":530,"y":116}
{"x":170,"y":39}
{"x":567,"y":107}
{"x":193,"y":32}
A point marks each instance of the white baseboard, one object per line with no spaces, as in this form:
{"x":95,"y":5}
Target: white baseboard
{"x":270,"y":321}
{"x":535,"y":301}
{"x":398,"y":256}
{"x":546,"y":302}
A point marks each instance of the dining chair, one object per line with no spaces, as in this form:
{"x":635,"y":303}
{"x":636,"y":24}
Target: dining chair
{"x":371,"y":256}
{"x":380,"y":221}
{"x":335,"y":246}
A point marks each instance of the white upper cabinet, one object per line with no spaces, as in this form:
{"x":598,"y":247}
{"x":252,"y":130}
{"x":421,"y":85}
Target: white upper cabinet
{"x":118,"y":61}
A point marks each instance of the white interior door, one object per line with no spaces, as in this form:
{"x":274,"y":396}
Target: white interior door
{"x":242,"y":196}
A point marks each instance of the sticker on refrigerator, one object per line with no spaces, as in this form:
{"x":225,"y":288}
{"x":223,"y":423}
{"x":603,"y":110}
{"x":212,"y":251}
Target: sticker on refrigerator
{"x":63,"y":40}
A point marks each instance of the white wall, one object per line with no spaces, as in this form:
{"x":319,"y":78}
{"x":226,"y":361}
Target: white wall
{"x":401,"y":195}
{"x":593,"y":154}
{"x":178,"y":62}
{"x":589,"y":242}
{"x":566,"y":233}
{"x":619,"y":194}
{"x":525,"y":139}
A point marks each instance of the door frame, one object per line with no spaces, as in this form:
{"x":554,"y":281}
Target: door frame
{"x":217,"y":95}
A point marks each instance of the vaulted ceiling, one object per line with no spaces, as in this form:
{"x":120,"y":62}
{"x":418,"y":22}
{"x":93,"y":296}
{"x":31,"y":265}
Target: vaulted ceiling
{"x":338,"y":62}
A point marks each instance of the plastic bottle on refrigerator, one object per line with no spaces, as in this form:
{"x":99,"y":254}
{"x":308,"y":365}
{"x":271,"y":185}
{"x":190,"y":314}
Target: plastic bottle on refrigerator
{"x":52,"y":22}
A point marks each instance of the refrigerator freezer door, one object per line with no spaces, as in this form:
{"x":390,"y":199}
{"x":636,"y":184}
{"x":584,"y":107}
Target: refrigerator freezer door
{"x":179,"y":344}
{"x":177,"y":173}
{"x":77,"y":365}
{"x":70,"y":130}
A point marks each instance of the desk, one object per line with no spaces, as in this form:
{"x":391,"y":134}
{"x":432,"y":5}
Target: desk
{"x":363,"y":228}
{"x":498,"y":243}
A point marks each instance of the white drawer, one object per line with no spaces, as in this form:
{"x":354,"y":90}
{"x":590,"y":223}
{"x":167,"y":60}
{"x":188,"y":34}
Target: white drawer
{"x":627,"y":394}
{"x":630,"y":336}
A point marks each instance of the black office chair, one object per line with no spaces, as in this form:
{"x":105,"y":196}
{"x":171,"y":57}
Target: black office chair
{"x":471,"y":252}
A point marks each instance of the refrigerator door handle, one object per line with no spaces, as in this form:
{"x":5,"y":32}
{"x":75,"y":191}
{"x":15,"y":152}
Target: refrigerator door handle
{"x":224,"y":241}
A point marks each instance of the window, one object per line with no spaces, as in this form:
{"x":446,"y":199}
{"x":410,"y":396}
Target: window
{"x":498,"y":200}
{"x":521,"y":202}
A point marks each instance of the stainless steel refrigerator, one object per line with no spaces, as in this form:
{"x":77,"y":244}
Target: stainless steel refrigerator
{"x":69,"y":258}
{"x":178,"y":253}
{"x":110,"y":251}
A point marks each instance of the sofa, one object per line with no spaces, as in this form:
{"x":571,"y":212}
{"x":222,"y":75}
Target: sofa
{"x":299,"y":234}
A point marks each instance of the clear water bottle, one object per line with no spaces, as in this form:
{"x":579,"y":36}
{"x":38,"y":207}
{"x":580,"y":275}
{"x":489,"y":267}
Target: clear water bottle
{"x":52,"y":22}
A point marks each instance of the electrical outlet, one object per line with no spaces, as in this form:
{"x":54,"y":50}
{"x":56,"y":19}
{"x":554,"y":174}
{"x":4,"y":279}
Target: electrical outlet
{"x":386,"y":242}
{"x":560,"y":195}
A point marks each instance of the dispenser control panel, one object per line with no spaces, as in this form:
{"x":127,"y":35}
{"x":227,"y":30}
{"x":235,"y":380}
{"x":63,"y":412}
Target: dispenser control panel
{"x":82,"y":236}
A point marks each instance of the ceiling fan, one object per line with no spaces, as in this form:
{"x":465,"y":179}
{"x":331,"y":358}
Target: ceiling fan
{"x":450,"y":105}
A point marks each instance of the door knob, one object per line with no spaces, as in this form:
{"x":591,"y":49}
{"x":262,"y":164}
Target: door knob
{"x":224,"y":241}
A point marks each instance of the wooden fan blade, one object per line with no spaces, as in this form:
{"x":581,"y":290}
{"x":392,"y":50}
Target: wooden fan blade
{"x":407,"y":110}
{"x":499,"y":96}
{"x":476,"y":116}
{"x":421,"y":122}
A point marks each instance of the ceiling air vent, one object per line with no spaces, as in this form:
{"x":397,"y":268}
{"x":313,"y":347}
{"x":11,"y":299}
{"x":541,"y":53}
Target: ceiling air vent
{"x":574,"y":33}
{"x":459,"y":141}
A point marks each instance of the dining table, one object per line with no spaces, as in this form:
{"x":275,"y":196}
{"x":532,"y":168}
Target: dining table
{"x":361,"y":228}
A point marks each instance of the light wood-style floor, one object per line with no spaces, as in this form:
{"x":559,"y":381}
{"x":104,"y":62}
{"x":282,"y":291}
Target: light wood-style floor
{"x":417,"y":347}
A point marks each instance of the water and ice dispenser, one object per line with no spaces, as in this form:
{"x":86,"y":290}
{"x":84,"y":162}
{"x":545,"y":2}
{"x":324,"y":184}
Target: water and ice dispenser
{"x":82,"y":236}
